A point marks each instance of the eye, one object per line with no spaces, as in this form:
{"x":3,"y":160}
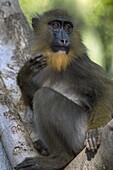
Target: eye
{"x":68,"y":27}
{"x":56,"y":25}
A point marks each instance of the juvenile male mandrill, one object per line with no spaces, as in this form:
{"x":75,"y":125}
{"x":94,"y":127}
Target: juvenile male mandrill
{"x":71,"y":96}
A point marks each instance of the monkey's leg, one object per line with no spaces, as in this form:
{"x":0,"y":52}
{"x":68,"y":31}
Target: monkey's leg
{"x":61,"y":115}
{"x":62,"y":125}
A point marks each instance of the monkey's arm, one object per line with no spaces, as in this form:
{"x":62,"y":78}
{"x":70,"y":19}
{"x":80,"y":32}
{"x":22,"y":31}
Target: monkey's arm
{"x":100,"y":116}
{"x":25,"y":77}
{"x":102,"y":109}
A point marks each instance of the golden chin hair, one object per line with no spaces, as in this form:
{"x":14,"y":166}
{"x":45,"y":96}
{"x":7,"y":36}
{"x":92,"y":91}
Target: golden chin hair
{"x":59,"y":60}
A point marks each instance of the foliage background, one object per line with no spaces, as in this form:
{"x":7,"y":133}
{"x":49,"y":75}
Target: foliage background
{"x":94,"y":19}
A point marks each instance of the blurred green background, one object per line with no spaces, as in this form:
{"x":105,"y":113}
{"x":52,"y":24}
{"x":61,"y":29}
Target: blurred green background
{"x":94,"y":19}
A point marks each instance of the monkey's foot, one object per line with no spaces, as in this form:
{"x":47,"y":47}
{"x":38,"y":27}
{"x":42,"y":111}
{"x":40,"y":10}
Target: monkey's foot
{"x":41,"y":148}
{"x":28,"y":164}
{"x":93,"y":139}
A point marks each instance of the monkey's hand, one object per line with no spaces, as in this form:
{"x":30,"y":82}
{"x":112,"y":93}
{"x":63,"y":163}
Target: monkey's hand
{"x":28,"y":164}
{"x":93,"y":139}
{"x":36,"y":63}
{"x":32,"y":66}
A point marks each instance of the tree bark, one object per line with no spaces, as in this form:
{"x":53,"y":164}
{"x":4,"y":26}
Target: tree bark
{"x":15,"y":138}
{"x":15,"y":141}
{"x":4,"y":162}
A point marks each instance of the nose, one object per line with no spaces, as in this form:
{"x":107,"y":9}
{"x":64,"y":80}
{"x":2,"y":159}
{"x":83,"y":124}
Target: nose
{"x":64,"y":39}
{"x":64,"y":42}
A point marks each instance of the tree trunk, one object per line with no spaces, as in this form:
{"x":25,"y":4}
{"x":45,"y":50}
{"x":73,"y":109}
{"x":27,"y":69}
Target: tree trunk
{"x":15,"y":141}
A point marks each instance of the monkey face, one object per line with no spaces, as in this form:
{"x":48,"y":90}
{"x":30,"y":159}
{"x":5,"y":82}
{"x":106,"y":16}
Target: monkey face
{"x":53,"y":31}
{"x":57,"y":38}
{"x":61,"y":30}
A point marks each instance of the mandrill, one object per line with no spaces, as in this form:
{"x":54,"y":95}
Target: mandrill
{"x":71,"y":96}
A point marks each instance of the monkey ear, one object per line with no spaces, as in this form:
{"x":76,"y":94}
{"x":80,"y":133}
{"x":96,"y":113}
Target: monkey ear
{"x":35,"y":22}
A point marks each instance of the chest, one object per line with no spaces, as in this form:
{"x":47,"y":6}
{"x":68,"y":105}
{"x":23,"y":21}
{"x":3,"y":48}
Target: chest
{"x":70,"y":91}
{"x":76,"y":88}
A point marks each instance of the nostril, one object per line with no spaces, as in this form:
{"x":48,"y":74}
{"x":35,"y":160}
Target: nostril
{"x":64,"y":41}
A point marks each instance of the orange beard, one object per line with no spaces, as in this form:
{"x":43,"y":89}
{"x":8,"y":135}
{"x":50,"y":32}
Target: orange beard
{"x":58,"y":60}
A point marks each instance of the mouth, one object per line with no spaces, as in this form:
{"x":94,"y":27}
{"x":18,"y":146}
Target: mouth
{"x":60,"y":48}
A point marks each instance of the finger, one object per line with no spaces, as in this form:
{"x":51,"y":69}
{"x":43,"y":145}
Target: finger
{"x":99,"y":140}
{"x":87,"y":144}
{"x":38,"y":60}
{"x":86,"y":137}
{"x":38,"y":67}
{"x":94,"y":135}
{"x":38,"y":64}
{"x":35,"y":57}
{"x":94,"y":143}
{"x":91,"y":143}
